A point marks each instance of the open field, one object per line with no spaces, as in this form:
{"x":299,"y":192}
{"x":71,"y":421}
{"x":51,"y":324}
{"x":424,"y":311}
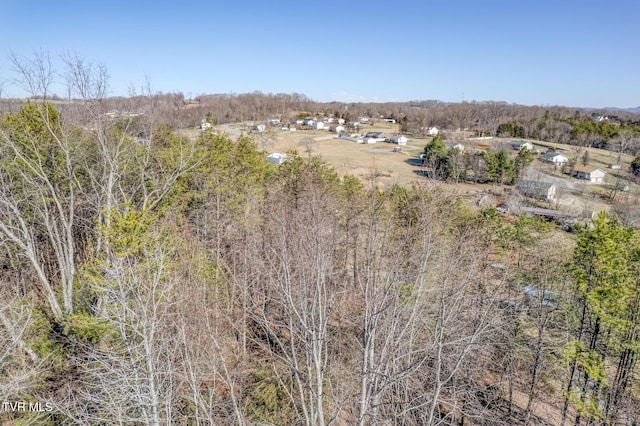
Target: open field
{"x":377,"y":164}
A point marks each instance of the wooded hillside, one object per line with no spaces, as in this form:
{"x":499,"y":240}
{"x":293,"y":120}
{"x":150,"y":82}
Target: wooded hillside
{"x":167,"y":280}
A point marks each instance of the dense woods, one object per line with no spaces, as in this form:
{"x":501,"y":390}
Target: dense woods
{"x":151,"y":278}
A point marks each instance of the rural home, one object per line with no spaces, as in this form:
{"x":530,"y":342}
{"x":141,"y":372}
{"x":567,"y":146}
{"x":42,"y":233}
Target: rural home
{"x":318,"y":125}
{"x":277,"y":158}
{"x":400,"y":140}
{"x":614,"y":166}
{"x":378,"y":136}
{"x":261,"y":127}
{"x":337,"y":129}
{"x":432,"y":131}
{"x":540,"y":190}
{"x":591,"y":174}
{"x":555,"y":158}
{"x":518,"y":145}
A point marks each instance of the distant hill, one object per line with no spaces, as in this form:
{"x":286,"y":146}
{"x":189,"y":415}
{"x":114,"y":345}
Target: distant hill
{"x":635,"y":110}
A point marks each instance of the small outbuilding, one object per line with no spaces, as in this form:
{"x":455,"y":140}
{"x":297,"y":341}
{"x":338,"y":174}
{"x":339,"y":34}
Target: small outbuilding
{"x":277,"y":158}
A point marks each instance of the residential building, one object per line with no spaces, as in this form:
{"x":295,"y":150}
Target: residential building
{"x":540,"y":190}
{"x":591,"y":174}
{"x":555,"y":158}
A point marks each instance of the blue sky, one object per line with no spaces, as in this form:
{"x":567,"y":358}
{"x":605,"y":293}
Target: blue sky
{"x":562,"y":52}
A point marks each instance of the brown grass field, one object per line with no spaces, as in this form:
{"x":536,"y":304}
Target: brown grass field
{"x":377,"y":164}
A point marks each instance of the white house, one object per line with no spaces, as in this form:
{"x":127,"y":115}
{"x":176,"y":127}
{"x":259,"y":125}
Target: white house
{"x":261,"y":127}
{"x":432,"y":131}
{"x":541,"y":190}
{"x":591,"y":174}
{"x":518,"y":145}
{"x":400,"y":140}
{"x":318,"y":125}
{"x":277,"y":158}
{"x":337,"y":129}
{"x":555,"y":158}
{"x":341,"y":121}
{"x":378,"y":136}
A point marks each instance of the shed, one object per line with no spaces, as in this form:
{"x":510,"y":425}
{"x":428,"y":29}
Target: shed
{"x":277,"y":158}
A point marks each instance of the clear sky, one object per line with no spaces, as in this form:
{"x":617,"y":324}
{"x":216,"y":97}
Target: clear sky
{"x":560,"y":52}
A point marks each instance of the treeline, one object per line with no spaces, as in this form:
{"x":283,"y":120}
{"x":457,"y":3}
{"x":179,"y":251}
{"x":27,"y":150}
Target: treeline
{"x":187,"y":281}
{"x":607,"y":132}
{"x":487,"y":166}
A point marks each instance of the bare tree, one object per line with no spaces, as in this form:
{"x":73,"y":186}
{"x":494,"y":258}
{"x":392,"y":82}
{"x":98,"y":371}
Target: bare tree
{"x":131,"y":376}
{"x":38,"y":199}
{"x":35,"y":75}
{"x":19,"y":363}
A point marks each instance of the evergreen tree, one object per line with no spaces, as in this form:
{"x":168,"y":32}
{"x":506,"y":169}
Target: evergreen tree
{"x":506,"y":167}
{"x":605,"y":293}
{"x":523,"y":159}
{"x":635,"y":166}
{"x":505,"y":130}
{"x":519,"y":131}
{"x":436,"y":156}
